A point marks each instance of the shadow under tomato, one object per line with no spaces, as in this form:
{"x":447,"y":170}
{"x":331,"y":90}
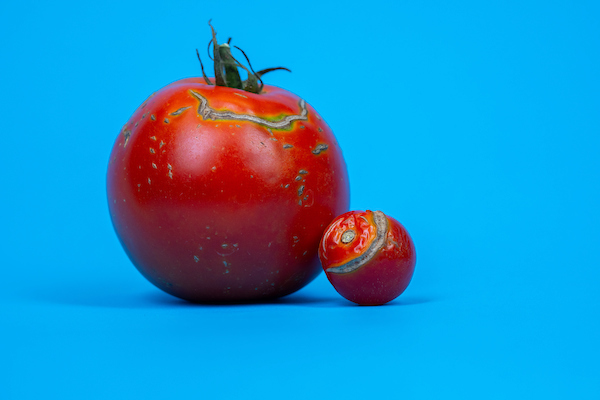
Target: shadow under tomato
{"x":295,"y":299}
{"x":124,"y":295}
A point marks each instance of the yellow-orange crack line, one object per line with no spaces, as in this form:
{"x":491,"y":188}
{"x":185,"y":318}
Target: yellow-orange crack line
{"x":206,"y":112}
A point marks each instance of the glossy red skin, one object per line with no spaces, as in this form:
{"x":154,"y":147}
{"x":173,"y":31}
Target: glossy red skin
{"x":385,"y":276}
{"x":213,"y":210}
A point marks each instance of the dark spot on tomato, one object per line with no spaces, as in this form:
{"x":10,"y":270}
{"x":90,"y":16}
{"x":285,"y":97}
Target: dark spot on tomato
{"x":126,"y":134}
{"x":320,"y":147}
{"x":179,"y":111}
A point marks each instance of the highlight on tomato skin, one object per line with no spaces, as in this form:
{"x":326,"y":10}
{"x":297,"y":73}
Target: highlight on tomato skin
{"x":368,"y":257}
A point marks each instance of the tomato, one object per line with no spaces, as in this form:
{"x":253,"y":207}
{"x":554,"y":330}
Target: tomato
{"x":219,"y":194}
{"x":368,"y":257}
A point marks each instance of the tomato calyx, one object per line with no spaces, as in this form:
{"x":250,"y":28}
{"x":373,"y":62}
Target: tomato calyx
{"x":226,"y":68}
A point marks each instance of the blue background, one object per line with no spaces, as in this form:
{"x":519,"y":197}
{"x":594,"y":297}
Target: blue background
{"x":475,"y":124}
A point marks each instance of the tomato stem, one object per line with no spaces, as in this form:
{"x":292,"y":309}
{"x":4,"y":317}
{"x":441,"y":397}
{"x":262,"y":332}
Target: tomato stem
{"x":226,"y":67}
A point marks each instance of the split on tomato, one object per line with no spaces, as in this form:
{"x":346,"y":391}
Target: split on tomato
{"x":367,"y":256}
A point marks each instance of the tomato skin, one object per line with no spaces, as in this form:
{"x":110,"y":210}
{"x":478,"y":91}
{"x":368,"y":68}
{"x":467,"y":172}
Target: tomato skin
{"x":223,"y":202}
{"x":375,"y":265}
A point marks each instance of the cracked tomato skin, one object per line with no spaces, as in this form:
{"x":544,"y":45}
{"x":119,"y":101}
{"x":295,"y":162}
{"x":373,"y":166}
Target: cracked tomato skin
{"x":221,"y":195}
{"x":368,"y":257}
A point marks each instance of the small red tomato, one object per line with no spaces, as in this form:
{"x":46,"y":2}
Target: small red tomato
{"x":219,"y":190}
{"x":368,"y":257}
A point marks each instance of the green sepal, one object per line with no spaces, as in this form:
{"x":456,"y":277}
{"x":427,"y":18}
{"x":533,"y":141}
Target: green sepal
{"x":251,"y":84}
{"x":230,"y":66}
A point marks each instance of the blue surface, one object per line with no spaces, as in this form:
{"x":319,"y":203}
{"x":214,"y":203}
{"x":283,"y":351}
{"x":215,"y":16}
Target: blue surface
{"x":475,"y":124}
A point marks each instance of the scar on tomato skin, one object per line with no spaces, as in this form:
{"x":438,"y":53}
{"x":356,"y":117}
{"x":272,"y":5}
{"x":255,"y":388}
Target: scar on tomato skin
{"x":153,"y":117}
{"x":126,"y":134}
{"x":395,"y":243}
{"x":287,"y":146}
{"x":382,"y":226}
{"x":206,"y":112}
{"x":300,"y":190}
{"x":152,"y":150}
{"x":166,"y":121}
{"x":348,"y":236}
{"x":303,"y":172}
{"x":179,"y":111}
{"x":320,"y":147}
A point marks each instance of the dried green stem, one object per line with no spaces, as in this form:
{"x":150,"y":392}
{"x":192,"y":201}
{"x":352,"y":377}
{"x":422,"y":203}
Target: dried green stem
{"x":226,"y":67}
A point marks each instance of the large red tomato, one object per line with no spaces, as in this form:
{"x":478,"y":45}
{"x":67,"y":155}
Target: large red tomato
{"x":219,"y":194}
